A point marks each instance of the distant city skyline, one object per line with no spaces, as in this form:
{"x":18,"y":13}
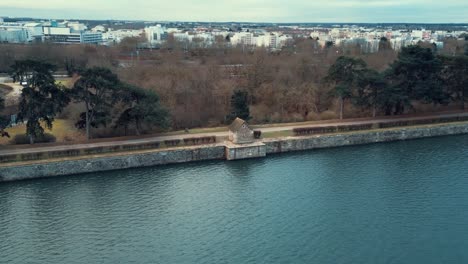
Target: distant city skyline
{"x":286,"y":11}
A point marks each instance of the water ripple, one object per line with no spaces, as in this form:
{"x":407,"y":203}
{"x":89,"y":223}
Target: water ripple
{"x":401,"y":202}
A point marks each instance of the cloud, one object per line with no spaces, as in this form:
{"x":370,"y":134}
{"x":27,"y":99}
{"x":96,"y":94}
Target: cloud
{"x":245,"y":10}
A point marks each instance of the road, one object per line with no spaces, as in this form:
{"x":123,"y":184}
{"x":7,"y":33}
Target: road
{"x":4,"y":152}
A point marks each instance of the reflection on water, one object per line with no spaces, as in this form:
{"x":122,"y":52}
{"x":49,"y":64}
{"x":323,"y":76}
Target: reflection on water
{"x":401,"y":202}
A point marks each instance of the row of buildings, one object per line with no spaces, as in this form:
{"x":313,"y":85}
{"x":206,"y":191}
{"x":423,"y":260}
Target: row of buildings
{"x":158,"y":34}
{"x":50,"y":31}
{"x":67,"y":32}
{"x":369,"y":38}
{"x":274,"y":38}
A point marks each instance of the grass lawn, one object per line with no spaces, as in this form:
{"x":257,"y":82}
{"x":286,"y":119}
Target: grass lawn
{"x":196,"y":131}
{"x":63,"y":130}
{"x":67,"y":82}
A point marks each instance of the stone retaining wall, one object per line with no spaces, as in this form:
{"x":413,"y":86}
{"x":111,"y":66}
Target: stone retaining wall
{"x":217,"y":151}
{"x":247,"y":151}
{"x":111,"y":162}
{"x":364,"y":137}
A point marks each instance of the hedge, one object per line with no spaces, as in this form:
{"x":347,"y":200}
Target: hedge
{"x":199,"y":140}
{"x":22,"y":139}
{"x":344,"y":128}
{"x":171,"y":143}
{"x":422,"y":121}
{"x":257,"y":134}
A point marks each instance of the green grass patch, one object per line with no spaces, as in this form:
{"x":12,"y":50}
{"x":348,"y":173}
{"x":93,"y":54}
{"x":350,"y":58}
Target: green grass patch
{"x":62,"y":130}
{"x":67,"y":82}
{"x":197,"y":131}
{"x":278,"y":134}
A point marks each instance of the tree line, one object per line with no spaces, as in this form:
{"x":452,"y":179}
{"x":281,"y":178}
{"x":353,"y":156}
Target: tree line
{"x":211,"y":86}
{"x":98,"y":89}
{"x":418,"y":75}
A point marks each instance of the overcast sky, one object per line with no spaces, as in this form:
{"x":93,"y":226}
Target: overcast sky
{"x":411,"y":11}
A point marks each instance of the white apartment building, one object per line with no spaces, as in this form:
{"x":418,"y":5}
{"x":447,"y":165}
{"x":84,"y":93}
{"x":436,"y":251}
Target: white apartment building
{"x":156,"y":34}
{"x":20,"y":32}
{"x":243,"y":38}
{"x":269,"y":40}
{"x":13,"y":35}
{"x":118,"y":35}
{"x":66,"y":35}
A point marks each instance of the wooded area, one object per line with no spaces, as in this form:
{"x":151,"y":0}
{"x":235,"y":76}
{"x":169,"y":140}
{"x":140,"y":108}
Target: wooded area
{"x":119,"y":89}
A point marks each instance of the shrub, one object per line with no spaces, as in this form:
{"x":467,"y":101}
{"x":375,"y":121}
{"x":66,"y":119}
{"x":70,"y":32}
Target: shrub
{"x":171,"y":143}
{"x":199,"y":140}
{"x":189,"y":141}
{"x":314,"y":130}
{"x":22,"y":139}
{"x":422,"y":121}
{"x":330,"y":129}
{"x":94,"y":150}
{"x":257,"y":134}
{"x":354,"y":127}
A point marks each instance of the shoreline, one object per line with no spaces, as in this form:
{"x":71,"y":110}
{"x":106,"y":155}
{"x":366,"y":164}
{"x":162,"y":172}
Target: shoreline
{"x":218,"y":151}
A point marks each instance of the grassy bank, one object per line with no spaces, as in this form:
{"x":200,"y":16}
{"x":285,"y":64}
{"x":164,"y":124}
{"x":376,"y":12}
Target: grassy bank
{"x":63,"y":130}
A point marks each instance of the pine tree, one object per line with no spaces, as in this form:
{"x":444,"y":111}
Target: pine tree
{"x":3,"y":119}
{"x":455,"y":77}
{"x":239,"y":106}
{"x":344,"y":74}
{"x":41,"y":98}
{"x":96,"y":88}
{"x":415,"y":76}
{"x":142,"y":108}
{"x":370,"y":91}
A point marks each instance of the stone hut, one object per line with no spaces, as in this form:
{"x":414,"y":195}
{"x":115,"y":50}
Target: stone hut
{"x":240,"y":132}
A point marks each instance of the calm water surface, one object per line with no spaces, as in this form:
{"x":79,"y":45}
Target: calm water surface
{"x":404,"y":202}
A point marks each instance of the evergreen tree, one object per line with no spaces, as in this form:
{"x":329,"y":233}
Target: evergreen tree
{"x":415,"y":77}
{"x":239,"y":106}
{"x":41,"y":98}
{"x":370,"y":91}
{"x":345,"y":74}
{"x":384,"y":44}
{"x":3,"y":119}
{"x":455,"y":77}
{"x":96,"y":88}
{"x":142,"y":108}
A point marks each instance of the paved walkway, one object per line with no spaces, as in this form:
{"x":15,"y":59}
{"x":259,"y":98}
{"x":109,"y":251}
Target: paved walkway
{"x":5,"y":152}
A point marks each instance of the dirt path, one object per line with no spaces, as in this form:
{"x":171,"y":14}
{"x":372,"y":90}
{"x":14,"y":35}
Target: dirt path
{"x":217,"y":134}
{"x":13,"y":97}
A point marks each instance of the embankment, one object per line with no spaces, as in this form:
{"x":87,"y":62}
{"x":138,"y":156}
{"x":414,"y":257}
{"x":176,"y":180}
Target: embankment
{"x":116,"y":161}
{"x":363,"y":137}
{"x":107,"y":162}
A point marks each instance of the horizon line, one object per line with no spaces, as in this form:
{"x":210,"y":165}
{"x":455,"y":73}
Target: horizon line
{"x":246,"y":22}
